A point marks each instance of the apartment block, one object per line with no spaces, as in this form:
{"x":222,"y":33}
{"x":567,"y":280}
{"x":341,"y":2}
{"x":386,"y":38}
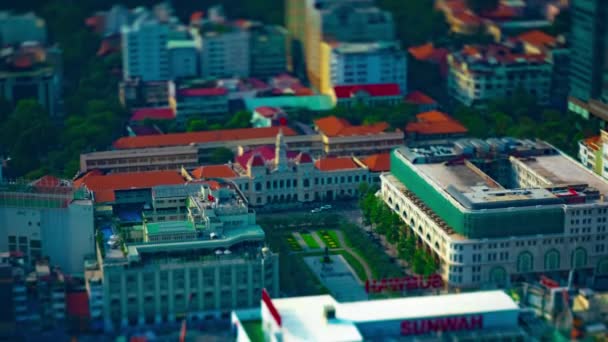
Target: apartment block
{"x":481,"y":73}
{"x":268,"y":51}
{"x":224,"y":52}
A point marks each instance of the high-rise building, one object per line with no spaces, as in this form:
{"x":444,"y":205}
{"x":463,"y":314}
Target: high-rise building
{"x":268,"y":51}
{"x":368,"y":63}
{"x":224,"y":51}
{"x":589,"y":58}
{"x":47,"y":218}
{"x":501,"y":210}
{"x":343,"y":20}
{"x":208,"y":263}
{"x":144,"y":48}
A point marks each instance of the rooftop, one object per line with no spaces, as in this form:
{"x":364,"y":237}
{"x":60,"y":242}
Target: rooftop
{"x":214,"y":171}
{"x":332,"y":126}
{"x":201,"y":92}
{"x":374,"y":90}
{"x":178,"y":139}
{"x":428,"y":52}
{"x":494,"y":54}
{"x":378,"y":162}
{"x":435,"y":122}
{"x":268,"y":112}
{"x":355,"y":48}
{"x":142,"y":114}
{"x":336,"y":164}
{"x":419,"y":98}
{"x":104,"y":186}
{"x":169,"y":227}
{"x":537,"y":38}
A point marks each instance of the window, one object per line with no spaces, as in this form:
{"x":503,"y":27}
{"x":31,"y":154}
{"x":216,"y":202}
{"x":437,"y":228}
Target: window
{"x":525,"y":262}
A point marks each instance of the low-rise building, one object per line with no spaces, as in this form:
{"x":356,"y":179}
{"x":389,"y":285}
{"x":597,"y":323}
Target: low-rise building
{"x":368,"y":95}
{"x":340,"y":138}
{"x":434,"y":125}
{"x":18,"y":28}
{"x":593,"y":153}
{"x":152,"y":113}
{"x":137,"y":93}
{"x":491,"y":315}
{"x":47,"y":218}
{"x":268,"y":117}
{"x":501,"y":211}
{"x":197,"y":102}
{"x":422,"y":101}
{"x":481,"y":73}
{"x":222,"y":267}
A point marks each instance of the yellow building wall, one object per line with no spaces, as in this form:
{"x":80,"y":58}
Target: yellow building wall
{"x":325,"y":86}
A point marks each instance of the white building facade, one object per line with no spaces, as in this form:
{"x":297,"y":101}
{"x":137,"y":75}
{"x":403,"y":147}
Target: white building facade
{"x":369,"y":63}
{"x":57,"y":223}
{"x":144,"y":49}
{"x":225,"y":54}
{"x":547,"y":225}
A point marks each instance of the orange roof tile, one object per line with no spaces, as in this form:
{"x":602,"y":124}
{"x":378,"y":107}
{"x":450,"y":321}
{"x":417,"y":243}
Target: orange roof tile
{"x":420,"y":98}
{"x":181,"y":139}
{"x":214,"y":171}
{"x":104,"y":185}
{"x":536,"y":37}
{"x":593,"y":142}
{"x":421,"y":51}
{"x":378,"y":162}
{"x":435,"y":122}
{"x":335,"y":164}
{"x":332,"y":126}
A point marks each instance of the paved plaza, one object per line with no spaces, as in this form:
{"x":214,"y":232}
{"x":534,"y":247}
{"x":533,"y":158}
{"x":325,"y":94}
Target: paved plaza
{"x":338,"y":277}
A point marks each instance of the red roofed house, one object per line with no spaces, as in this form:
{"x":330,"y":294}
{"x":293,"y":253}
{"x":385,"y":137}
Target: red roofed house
{"x":368,"y":94}
{"x":106,"y":188}
{"x":424,"y":102}
{"x":191,"y":101}
{"x":340,"y":138}
{"x":434,"y":125}
{"x":376,"y":164}
{"x":429,"y":53}
{"x":274,"y":175}
{"x":162,"y":113}
{"x":268,"y":116}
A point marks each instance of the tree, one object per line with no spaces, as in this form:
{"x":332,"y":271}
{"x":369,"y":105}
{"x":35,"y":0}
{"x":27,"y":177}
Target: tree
{"x":480,"y":6}
{"x":221,"y":155}
{"x":196,"y":125}
{"x":240,"y":119}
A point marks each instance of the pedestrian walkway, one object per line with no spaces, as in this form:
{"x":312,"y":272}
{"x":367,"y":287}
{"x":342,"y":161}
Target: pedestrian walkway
{"x":368,"y":270}
{"x":300,"y":241}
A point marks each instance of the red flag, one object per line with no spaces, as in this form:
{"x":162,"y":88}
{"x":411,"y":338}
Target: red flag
{"x":210,"y":198}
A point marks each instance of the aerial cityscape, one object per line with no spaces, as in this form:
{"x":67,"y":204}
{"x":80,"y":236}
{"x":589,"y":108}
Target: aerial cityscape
{"x":304,"y":170}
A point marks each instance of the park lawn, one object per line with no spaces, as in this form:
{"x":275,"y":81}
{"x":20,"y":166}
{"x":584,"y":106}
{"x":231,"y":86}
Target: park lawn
{"x":293,"y":244}
{"x":310,"y":241}
{"x":330,"y":241}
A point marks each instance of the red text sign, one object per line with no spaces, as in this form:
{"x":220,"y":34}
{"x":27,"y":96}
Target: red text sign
{"x":409,"y":283}
{"x":425,"y":326}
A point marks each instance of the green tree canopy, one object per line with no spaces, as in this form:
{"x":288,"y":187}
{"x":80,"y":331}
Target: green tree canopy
{"x":221,"y":155}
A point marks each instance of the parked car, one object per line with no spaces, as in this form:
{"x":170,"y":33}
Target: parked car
{"x":315,"y":210}
{"x":326,"y":207}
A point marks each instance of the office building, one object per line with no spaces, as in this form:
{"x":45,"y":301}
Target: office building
{"x":501,"y":211}
{"x":588,"y":61}
{"x":47,"y":218}
{"x":183,"y":58}
{"x":368,"y":63}
{"x":487,"y":315}
{"x":225,"y":51}
{"x":144,"y":48}
{"x":217,"y":263}
{"x":19,"y":28}
{"x":268,"y":51}
{"x":312,"y":22}
{"x":481,"y":73}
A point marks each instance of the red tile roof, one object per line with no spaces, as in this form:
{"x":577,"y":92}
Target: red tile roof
{"x":152,"y":113}
{"x":419,"y":98}
{"x":103,"y":186}
{"x":77,"y":304}
{"x":181,"y":139}
{"x":387,"y":89}
{"x":267,"y":112}
{"x":332,"y":126}
{"x":262,"y":155}
{"x":214,"y":171}
{"x":468,"y":18}
{"x":435,"y":122}
{"x":502,"y":12}
{"x":335,"y":164}
{"x":428,"y":52}
{"x":200,"y":92}
{"x":537,"y":38}
{"x":378,"y":162}
{"x":593,"y":143}
{"x":47,"y":181}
